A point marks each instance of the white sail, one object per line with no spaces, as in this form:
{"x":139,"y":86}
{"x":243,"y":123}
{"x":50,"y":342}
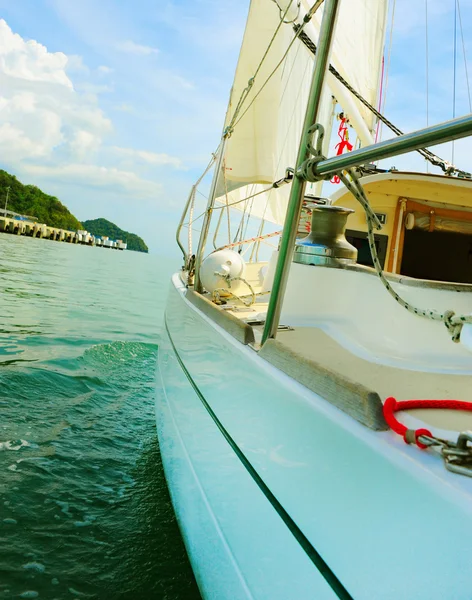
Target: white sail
{"x":267,"y":126}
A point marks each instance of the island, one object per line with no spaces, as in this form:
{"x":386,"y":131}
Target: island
{"x":102,"y":227}
{"x":27,"y":202}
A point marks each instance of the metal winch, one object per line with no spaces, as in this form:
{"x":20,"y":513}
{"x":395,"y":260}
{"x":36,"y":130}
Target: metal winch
{"x":326,"y":243}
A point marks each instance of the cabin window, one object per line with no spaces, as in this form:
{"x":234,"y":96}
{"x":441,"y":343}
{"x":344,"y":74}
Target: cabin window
{"x":359,"y":240}
{"x":437,"y":243}
{"x":437,"y":255}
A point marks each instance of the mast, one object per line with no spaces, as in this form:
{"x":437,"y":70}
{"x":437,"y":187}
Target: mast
{"x":289,"y":233}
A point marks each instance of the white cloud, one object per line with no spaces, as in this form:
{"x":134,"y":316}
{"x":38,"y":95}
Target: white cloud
{"x":98,"y":177}
{"x":75,"y":64}
{"x":41,"y":113}
{"x":51,"y":131}
{"x":181,"y":82}
{"x":84,"y":143}
{"x":104,"y":69}
{"x":30,"y":61}
{"x":124,"y":107}
{"x":131,"y":47}
{"x":151,"y":158}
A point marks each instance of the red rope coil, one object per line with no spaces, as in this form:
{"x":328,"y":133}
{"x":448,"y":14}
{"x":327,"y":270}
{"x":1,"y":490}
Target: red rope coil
{"x":391,"y":406}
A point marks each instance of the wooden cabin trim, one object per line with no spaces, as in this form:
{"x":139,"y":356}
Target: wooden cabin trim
{"x":451,"y":213}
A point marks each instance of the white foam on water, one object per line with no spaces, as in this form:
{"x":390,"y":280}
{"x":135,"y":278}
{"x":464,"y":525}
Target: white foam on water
{"x":14,"y":444}
{"x":35,"y":566}
{"x":64,"y":506}
{"x":77,"y":593}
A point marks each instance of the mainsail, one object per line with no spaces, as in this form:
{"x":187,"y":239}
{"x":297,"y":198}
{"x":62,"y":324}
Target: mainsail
{"x":266,"y":126}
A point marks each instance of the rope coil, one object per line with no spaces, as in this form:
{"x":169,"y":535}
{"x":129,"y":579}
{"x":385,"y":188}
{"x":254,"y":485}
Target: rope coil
{"x":412,"y":436}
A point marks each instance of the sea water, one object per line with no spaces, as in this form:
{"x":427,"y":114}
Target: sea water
{"x":84,"y":507}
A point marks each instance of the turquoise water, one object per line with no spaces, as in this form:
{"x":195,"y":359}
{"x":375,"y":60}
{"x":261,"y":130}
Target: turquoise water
{"x":84,"y":507}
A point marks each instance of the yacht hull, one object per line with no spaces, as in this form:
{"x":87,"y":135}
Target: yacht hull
{"x":279,"y":494}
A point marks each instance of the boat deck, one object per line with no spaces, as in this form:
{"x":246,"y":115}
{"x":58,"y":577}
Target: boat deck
{"x":357,"y":386}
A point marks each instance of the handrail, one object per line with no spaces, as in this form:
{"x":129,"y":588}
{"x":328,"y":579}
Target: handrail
{"x":191,"y":196}
{"x":430,"y":136}
{"x":181,"y":223}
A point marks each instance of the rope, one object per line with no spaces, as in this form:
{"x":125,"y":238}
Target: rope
{"x":217,"y":297}
{"x":250,"y":240}
{"x":298,"y":31}
{"x":453,"y":323}
{"x":410,"y":436}
{"x":427,"y":154}
{"x":250,"y":83}
{"x":343,"y":144}
{"x":281,"y":12}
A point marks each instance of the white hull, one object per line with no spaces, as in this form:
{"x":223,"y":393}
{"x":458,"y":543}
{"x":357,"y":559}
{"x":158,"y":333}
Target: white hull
{"x":271,"y":483}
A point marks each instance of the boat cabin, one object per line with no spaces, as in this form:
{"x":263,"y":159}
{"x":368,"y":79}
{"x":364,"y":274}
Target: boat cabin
{"x":427,"y":225}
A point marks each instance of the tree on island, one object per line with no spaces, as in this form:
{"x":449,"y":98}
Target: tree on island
{"x":103,"y":227}
{"x":30,"y":200}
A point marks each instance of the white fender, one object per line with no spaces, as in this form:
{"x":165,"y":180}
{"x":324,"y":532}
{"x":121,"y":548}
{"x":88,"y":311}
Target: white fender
{"x":219,"y":268}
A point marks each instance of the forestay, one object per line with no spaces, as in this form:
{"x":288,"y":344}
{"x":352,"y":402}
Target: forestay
{"x":266,"y":127}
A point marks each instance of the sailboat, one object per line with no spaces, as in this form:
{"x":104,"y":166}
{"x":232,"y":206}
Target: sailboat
{"x":288,"y":386}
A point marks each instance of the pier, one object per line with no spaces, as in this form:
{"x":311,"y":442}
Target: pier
{"x":27,"y":225}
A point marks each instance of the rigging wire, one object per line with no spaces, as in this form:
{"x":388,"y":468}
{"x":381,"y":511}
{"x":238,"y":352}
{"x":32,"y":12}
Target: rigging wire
{"x":247,"y":197}
{"x":270,"y":76}
{"x":377,"y":129}
{"x":433,"y":158}
{"x":202,"y":194}
{"x":226,"y":200}
{"x":298,"y":31}
{"x":427,"y":61}
{"x":246,"y":91}
{"x":465,"y":55}
{"x":246,"y":226}
{"x":454,"y":73}
{"x":387,"y":70}
{"x":427,"y":69}
{"x":217,"y":229}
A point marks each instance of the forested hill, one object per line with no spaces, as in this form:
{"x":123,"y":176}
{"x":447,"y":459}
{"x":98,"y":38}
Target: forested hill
{"x":30,"y":200}
{"x":104,"y":227}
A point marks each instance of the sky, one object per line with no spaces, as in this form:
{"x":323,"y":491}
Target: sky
{"x":115,"y":106}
